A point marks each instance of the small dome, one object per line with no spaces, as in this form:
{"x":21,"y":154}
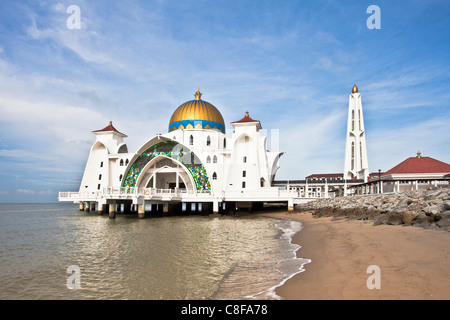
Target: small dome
{"x":355,"y":89}
{"x":197,"y":114}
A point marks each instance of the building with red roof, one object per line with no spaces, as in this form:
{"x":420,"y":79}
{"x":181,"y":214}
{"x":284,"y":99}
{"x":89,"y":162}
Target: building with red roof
{"x":411,"y":174}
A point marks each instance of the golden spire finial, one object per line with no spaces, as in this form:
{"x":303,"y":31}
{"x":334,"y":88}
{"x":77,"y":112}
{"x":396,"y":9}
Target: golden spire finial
{"x":110,"y":122}
{"x":246,"y":113}
{"x":355,"y":89}
{"x":198,"y":94}
{"x":419,"y":155}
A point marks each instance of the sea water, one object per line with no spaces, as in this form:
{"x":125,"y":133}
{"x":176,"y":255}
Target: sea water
{"x":177,"y":257}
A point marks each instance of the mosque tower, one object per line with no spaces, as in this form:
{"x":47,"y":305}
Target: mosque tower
{"x":356,"y":165}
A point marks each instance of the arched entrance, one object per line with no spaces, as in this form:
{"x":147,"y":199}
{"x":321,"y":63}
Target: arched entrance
{"x":166,"y":173}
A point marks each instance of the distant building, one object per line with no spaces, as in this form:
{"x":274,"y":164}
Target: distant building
{"x":414,"y":173}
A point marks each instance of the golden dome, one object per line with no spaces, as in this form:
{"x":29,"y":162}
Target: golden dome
{"x":197,"y":114}
{"x":355,"y":89}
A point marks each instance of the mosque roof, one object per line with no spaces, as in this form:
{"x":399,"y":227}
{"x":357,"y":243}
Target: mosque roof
{"x":109,"y":127}
{"x":246,"y":118}
{"x":197,"y":114}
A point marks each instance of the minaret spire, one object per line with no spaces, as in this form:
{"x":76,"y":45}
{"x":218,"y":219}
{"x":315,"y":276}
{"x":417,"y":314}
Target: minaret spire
{"x":356,"y":164}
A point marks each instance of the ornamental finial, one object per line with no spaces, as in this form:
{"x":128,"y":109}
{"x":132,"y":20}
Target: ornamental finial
{"x":198,"y":94}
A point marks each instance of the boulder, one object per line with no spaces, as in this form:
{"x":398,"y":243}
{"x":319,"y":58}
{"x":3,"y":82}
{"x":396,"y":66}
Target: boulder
{"x":444,"y":222}
{"x":394,"y":219}
{"x":408,"y":216}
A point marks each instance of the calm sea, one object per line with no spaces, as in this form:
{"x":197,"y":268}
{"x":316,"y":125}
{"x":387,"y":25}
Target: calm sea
{"x":184,"y":257}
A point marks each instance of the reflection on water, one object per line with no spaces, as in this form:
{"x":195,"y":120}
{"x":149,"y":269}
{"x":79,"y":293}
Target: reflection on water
{"x":191,"y":257}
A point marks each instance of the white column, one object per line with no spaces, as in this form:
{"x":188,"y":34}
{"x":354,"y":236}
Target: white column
{"x":216,"y":207}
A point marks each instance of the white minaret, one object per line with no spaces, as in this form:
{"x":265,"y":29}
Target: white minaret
{"x":356,"y":165}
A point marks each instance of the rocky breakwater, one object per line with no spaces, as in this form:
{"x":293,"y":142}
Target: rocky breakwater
{"x":423,"y":208}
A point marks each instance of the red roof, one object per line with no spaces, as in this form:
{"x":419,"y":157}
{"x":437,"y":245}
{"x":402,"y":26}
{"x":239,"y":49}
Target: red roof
{"x":246,"y":118}
{"x":420,"y":165}
{"x":109,"y":127}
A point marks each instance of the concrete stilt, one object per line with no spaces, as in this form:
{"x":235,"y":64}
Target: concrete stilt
{"x":165,"y":208}
{"x":81,"y":206}
{"x":291,"y":205}
{"x":87,"y":207}
{"x":112,"y":211}
{"x":100,"y":208}
{"x":141,"y":211}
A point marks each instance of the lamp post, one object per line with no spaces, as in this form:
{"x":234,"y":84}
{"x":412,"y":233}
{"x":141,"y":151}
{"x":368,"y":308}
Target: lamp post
{"x":379,"y":180}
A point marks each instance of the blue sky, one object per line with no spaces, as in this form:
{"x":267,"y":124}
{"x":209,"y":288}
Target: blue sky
{"x":291,"y":64}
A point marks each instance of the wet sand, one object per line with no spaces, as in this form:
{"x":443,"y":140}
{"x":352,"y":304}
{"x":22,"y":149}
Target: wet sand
{"x":414,"y":262}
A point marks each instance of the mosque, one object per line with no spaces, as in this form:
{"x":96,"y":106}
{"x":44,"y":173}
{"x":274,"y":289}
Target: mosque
{"x":197,"y":168}
{"x":194,"y":167}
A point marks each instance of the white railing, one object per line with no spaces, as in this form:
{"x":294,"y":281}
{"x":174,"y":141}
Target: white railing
{"x":127,"y":192}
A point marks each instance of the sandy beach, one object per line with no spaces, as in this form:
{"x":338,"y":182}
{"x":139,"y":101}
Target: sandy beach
{"x":414,"y":262}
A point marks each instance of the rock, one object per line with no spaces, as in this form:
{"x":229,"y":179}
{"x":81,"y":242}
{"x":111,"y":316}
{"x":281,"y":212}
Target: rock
{"x":408,"y":216}
{"x":394,"y":219}
{"x":444,"y":222}
{"x":382,"y":219}
{"x":446,"y":205}
{"x":421,"y":221}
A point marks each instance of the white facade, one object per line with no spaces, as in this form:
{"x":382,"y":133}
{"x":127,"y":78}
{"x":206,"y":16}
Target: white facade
{"x":356,"y":165}
{"x":107,"y":161}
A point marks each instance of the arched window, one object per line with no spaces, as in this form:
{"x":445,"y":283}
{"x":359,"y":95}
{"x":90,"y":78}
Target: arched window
{"x":224,"y":143}
{"x":359,"y":119}
{"x":121,"y":162}
{"x":214,"y":159}
{"x":208,"y":159}
{"x":214,"y":176}
{"x":353,"y":120}
{"x":120,"y":177}
{"x":361,"y":153}
{"x":191,"y":140}
{"x":127,"y":162}
{"x":208,"y":141}
{"x":353,"y":155}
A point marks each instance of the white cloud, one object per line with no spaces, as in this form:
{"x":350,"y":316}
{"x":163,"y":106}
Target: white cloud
{"x":29,"y":191}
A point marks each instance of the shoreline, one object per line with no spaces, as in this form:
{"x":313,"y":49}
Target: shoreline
{"x":413,"y":261}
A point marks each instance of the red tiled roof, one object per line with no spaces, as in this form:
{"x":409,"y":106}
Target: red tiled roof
{"x":246,"y":118}
{"x":109,"y":127}
{"x":420,"y":165}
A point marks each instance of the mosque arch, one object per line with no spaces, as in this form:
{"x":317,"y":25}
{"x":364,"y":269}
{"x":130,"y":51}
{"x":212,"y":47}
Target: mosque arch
{"x":122,"y":149}
{"x":160,"y":146}
{"x":263,"y":182}
{"x":208,"y":159}
{"x":164,"y":172}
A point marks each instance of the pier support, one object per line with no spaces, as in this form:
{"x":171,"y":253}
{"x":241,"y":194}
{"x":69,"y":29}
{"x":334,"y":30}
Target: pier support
{"x":141,"y":211}
{"x":165,"y":208}
{"x":81,"y":206}
{"x":87,"y":207}
{"x":100,"y":208}
{"x":291,"y":205}
{"x":112,"y":210}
